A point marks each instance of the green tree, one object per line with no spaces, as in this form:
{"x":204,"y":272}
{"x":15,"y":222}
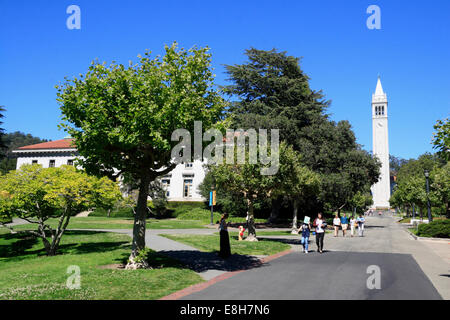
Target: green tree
{"x":122,"y":118}
{"x":441,"y":138}
{"x":271,"y":91}
{"x":441,"y":187}
{"x":36,"y":194}
{"x":295,"y":181}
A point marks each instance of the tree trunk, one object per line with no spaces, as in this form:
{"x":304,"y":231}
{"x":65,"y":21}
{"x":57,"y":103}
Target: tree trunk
{"x":276,"y":205}
{"x":109,"y":213}
{"x":138,"y":243}
{"x":294,"y":218}
{"x":251,"y":222}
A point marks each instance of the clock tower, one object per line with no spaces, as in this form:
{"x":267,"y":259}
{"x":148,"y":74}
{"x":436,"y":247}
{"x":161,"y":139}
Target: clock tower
{"x":381,"y":191}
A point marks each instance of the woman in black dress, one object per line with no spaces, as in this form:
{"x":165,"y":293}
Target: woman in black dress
{"x":225,"y":250}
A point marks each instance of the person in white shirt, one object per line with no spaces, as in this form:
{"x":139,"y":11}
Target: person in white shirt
{"x":352,"y":226}
{"x":319,"y":224}
{"x":336,"y":224}
{"x":360,"y":221}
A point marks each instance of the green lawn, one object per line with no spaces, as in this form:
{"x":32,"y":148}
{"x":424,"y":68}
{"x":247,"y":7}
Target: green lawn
{"x":120,"y":223}
{"x":210,"y":243}
{"x":26,"y":273}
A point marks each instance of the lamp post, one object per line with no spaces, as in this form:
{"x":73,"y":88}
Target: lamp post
{"x":427,"y":175}
{"x":211,"y":202}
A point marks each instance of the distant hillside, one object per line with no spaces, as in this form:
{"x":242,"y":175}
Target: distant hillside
{"x":13,"y":141}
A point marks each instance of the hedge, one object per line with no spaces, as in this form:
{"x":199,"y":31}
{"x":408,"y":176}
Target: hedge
{"x":435,"y":229}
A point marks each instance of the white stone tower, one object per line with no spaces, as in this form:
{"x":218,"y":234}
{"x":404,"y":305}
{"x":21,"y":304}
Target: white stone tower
{"x":381,"y":191}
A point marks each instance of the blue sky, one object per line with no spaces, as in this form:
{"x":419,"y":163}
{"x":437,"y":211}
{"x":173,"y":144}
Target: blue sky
{"x":342,"y":56}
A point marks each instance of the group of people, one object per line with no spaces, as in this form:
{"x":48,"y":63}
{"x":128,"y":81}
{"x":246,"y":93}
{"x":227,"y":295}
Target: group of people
{"x":344,"y":221}
{"x":319,"y":225}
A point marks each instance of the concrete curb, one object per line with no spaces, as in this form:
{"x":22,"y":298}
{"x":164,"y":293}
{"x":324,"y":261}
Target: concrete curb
{"x":426,"y":238}
{"x":201,"y":286}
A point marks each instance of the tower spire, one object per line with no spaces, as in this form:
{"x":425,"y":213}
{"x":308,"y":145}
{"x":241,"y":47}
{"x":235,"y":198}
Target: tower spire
{"x":379,"y":89}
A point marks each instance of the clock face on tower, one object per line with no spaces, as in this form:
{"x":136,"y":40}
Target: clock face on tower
{"x":379,"y":124}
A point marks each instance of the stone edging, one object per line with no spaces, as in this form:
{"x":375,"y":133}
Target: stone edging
{"x":201,"y":286}
{"x":426,"y":238}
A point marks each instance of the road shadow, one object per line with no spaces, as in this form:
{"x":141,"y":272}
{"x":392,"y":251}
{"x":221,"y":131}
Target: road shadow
{"x":202,"y":261}
{"x":373,"y":227}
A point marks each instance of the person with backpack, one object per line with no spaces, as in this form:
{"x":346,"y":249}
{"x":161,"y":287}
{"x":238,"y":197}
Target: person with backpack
{"x":320,"y":226}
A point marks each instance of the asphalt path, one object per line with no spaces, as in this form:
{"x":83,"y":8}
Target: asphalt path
{"x":348,"y":270}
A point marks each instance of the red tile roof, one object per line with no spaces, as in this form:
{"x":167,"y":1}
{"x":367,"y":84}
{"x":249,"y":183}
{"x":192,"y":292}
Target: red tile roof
{"x":57,"y":144}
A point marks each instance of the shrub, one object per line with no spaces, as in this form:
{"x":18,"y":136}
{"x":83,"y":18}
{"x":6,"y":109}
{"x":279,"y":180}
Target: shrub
{"x":435,"y":229}
{"x":198,"y":214}
{"x":125,"y":212}
{"x":177,"y":208}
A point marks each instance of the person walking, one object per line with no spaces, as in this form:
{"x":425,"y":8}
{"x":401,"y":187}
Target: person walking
{"x":360,"y":221}
{"x":305,"y":229}
{"x":344,"y":224}
{"x":336,"y":224}
{"x":225,"y":250}
{"x":319,"y":225}
{"x":352,"y":226}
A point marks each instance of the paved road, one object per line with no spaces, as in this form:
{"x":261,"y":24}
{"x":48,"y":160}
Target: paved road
{"x":341,"y":272}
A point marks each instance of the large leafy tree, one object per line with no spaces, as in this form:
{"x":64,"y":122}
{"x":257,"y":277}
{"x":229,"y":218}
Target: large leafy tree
{"x":441,"y":138}
{"x":272,"y":91}
{"x":441,"y":187}
{"x":122,"y":118}
{"x":292,"y":180}
{"x":37,"y":194}
{"x":295,"y":181}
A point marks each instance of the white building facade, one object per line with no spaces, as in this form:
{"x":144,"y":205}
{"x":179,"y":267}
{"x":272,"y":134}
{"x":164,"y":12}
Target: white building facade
{"x":181,"y":184}
{"x":381,"y":190}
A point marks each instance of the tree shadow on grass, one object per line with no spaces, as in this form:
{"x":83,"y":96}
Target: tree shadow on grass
{"x":20,"y":244}
{"x":16,"y":244}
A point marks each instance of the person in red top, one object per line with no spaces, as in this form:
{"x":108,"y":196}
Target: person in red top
{"x":320,"y":225}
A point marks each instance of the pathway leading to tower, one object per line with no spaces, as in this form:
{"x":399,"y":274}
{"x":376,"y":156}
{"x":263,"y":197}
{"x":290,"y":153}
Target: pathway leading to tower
{"x":409,"y":270}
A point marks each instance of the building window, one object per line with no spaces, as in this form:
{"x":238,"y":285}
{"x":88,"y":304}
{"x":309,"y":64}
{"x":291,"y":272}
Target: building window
{"x":34,"y":161}
{"x":51,"y":164}
{"x":166,"y":184}
{"x":70,"y":162}
{"x":187,"y":188}
{"x":188,"y":165}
